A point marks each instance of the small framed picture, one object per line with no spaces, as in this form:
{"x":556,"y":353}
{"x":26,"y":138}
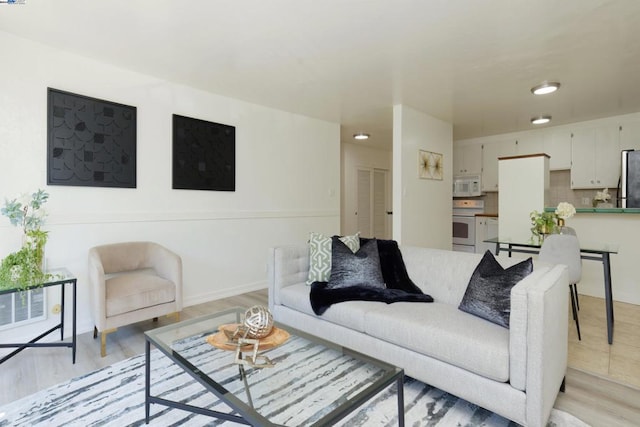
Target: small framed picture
{"x":429,"y":165}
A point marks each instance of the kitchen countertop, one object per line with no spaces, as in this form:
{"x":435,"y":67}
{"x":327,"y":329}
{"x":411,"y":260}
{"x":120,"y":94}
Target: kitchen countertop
{"x":491,"y":215}
{"x":602,"y":210}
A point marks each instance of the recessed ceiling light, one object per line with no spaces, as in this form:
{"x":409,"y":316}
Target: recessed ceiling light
{"x":540,"y":120}
{"x":361,"y":135}
{"x":545,"y":88}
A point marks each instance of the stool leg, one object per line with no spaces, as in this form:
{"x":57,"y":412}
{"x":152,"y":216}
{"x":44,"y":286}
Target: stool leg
{"x":575,"y":292}
{"x":574,"y":308}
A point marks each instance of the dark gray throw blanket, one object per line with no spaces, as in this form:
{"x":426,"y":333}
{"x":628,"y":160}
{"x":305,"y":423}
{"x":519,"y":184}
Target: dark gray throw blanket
{"x":322,"y":298}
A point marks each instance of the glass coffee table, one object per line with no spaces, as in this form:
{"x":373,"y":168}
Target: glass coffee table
{"x":311,"y":383}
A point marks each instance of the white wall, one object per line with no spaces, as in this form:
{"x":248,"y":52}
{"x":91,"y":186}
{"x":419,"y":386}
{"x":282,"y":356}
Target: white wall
{"x":287,"y":176}
{"x":356,"y":156}
{"x":421,"y":207}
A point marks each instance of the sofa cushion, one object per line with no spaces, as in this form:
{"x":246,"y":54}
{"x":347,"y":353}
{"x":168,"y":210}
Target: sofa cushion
{"x":355,"y":269}
{"x":488,"y":294}
{"x":130,"y":292}
{"x":320,"y":255}
{"x":322,"y":298}
{"x":445,"y":333}
{"x":349,"y":314}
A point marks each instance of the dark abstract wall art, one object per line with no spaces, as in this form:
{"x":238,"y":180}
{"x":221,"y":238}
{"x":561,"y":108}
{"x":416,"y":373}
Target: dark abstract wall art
{"x":204,"y":155}
{"x":90,"y":142}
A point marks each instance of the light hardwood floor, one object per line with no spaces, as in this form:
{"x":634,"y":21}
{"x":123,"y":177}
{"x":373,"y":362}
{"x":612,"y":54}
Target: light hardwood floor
{"x":608,"y":396}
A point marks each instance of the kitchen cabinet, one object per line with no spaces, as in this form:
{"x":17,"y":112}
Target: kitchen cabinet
{"x":555,"y":143}
{"x":532,"y":143}
{"x":486,"y":228}
{"x":595,"y":157}
{"x":490,"y":153}
{"x":467,"y":159}
{"x":630,"y":135}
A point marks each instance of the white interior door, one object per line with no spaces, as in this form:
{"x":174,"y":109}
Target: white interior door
{"x":373,"y":198}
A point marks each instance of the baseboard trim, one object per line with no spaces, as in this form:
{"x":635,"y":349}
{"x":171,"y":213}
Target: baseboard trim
{"x":224,"y":293}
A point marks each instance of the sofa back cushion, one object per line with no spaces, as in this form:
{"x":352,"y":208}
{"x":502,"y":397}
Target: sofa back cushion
{"x":442,"y":274}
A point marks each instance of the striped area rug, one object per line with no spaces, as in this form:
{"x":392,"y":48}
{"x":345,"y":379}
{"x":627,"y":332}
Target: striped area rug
{"x":114,"y":396}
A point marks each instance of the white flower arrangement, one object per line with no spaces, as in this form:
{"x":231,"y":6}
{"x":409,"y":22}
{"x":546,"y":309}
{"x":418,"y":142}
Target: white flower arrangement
{"x":603,"y":196}
{"x":565,"y":210}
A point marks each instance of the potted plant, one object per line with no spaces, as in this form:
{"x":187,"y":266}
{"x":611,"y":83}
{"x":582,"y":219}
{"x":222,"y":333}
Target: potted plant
{"x":543,"y":223}
{"x":23,"y":269}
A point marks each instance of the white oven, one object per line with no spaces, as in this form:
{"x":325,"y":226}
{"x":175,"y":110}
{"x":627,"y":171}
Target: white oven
{"x":464,"y":224}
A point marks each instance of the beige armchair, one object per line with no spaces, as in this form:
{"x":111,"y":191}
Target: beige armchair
{"x":131,"y":282}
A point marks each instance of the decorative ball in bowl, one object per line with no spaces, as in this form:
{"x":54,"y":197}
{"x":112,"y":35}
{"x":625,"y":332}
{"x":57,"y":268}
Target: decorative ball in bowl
{"x":259,"y":322}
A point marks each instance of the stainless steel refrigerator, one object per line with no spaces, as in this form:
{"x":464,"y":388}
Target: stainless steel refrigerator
{"x":630,"y":179}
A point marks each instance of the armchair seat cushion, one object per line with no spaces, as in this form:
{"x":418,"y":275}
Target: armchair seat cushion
{"x":133,"y":291}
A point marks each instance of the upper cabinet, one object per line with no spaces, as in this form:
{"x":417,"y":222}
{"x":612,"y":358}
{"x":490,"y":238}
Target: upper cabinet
{"x":595,"y":157}
{"x":490,"y":153}
{"x":467,"y":159}
{"x":591,"y":150}
{"x":556,"y":143}
{"x":529,"y":143}
{"x":630,"y":135}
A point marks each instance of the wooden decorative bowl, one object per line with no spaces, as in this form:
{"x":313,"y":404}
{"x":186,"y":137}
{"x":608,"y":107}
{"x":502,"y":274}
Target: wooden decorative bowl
{"x":219,"y":340}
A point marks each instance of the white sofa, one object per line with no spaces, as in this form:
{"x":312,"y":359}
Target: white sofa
{"x":515,"y":372}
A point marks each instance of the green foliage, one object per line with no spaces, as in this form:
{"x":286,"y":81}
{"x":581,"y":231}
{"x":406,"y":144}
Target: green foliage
{"x":26,"y":211}
{"x":23,"y":269}
{"x":543,"y":223}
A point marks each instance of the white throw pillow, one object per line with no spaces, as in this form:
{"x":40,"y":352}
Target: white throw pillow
{"x":320,"y":255}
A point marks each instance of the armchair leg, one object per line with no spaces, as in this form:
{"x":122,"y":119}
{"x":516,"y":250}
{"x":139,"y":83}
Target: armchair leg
{"x":103,"y":340}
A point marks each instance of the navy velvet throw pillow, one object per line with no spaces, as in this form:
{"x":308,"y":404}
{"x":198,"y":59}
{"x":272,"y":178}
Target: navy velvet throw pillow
{"x":355,"y":269}
{"x":488,"y":294}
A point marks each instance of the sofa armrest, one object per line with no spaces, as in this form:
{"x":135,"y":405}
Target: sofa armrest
{"x":518,"y":327}
{"x":547,"y":343}
{"x":287,"y":265}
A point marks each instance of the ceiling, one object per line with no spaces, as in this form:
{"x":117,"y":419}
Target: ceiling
{"x":468,"y":62}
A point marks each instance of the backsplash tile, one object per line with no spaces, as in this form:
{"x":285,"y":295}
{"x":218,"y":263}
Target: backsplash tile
{"x":559,"y":191}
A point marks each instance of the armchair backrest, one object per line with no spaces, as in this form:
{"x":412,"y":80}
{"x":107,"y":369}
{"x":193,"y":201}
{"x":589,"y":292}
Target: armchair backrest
{"x":128,"y":256}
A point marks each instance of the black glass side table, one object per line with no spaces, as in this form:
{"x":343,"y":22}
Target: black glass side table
{"x":61,"y":277}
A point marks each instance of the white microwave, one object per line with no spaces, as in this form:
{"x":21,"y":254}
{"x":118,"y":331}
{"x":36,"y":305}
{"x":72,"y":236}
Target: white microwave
{"x":466,"y":186}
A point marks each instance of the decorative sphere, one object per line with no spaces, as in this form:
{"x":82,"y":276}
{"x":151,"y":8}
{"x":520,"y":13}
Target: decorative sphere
{"x":258,"y":321}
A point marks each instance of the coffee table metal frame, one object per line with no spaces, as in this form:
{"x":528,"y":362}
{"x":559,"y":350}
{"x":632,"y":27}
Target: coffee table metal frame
{"x":244,"y":413}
